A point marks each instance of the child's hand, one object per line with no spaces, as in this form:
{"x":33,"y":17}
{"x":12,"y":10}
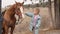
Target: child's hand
{"x":33,"y":28}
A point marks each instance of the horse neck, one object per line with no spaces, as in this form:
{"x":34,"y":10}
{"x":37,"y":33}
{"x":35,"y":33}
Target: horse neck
{"x":12,"y":8}
{"x":11,"y":11}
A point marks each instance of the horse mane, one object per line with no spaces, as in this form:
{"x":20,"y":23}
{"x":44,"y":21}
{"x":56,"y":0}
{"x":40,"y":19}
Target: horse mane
{"x":10,"y":8}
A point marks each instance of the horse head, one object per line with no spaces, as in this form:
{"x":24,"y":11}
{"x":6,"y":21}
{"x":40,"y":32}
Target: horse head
{"x":19,"y":9}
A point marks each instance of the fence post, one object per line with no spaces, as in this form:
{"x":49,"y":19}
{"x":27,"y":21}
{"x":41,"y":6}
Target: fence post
{"x":57,"y":14}
{"x":50,"y":13}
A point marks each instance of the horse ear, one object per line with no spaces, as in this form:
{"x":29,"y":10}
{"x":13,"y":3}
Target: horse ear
{"x":15,"y":2}
{"x":22,"y":2}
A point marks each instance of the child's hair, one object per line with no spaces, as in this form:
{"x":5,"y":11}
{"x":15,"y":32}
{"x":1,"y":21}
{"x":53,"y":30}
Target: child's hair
{"x":37,"y":10}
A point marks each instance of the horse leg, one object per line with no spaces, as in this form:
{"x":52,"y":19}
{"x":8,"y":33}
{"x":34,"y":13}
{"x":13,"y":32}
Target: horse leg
{"x":3,"y":31}
{"x":6,"y":29}
{"x":12,"y":29}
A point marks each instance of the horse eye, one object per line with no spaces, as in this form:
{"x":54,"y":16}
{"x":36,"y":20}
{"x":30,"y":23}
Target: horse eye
{"x":18,"y":9}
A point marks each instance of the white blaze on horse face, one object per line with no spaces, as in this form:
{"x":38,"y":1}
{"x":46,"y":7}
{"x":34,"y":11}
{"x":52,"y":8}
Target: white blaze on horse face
{"x":21,"y":8}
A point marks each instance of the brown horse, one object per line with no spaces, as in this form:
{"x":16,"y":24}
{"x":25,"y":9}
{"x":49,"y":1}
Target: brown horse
{"x":9,"y":17}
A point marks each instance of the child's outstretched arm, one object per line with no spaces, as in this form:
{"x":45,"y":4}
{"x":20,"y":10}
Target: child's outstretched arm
{"x":29,"y":14}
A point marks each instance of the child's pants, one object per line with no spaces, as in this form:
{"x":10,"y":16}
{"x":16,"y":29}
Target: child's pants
{"x":36,"y":31}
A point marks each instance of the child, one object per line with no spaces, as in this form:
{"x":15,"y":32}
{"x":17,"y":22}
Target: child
{"x":35,"y":20}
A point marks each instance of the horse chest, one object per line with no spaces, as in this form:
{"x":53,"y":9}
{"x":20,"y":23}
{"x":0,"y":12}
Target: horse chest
{"x":10,"y":21}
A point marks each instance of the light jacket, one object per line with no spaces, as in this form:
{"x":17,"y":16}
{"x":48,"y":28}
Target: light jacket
{"x":38,"y":21}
